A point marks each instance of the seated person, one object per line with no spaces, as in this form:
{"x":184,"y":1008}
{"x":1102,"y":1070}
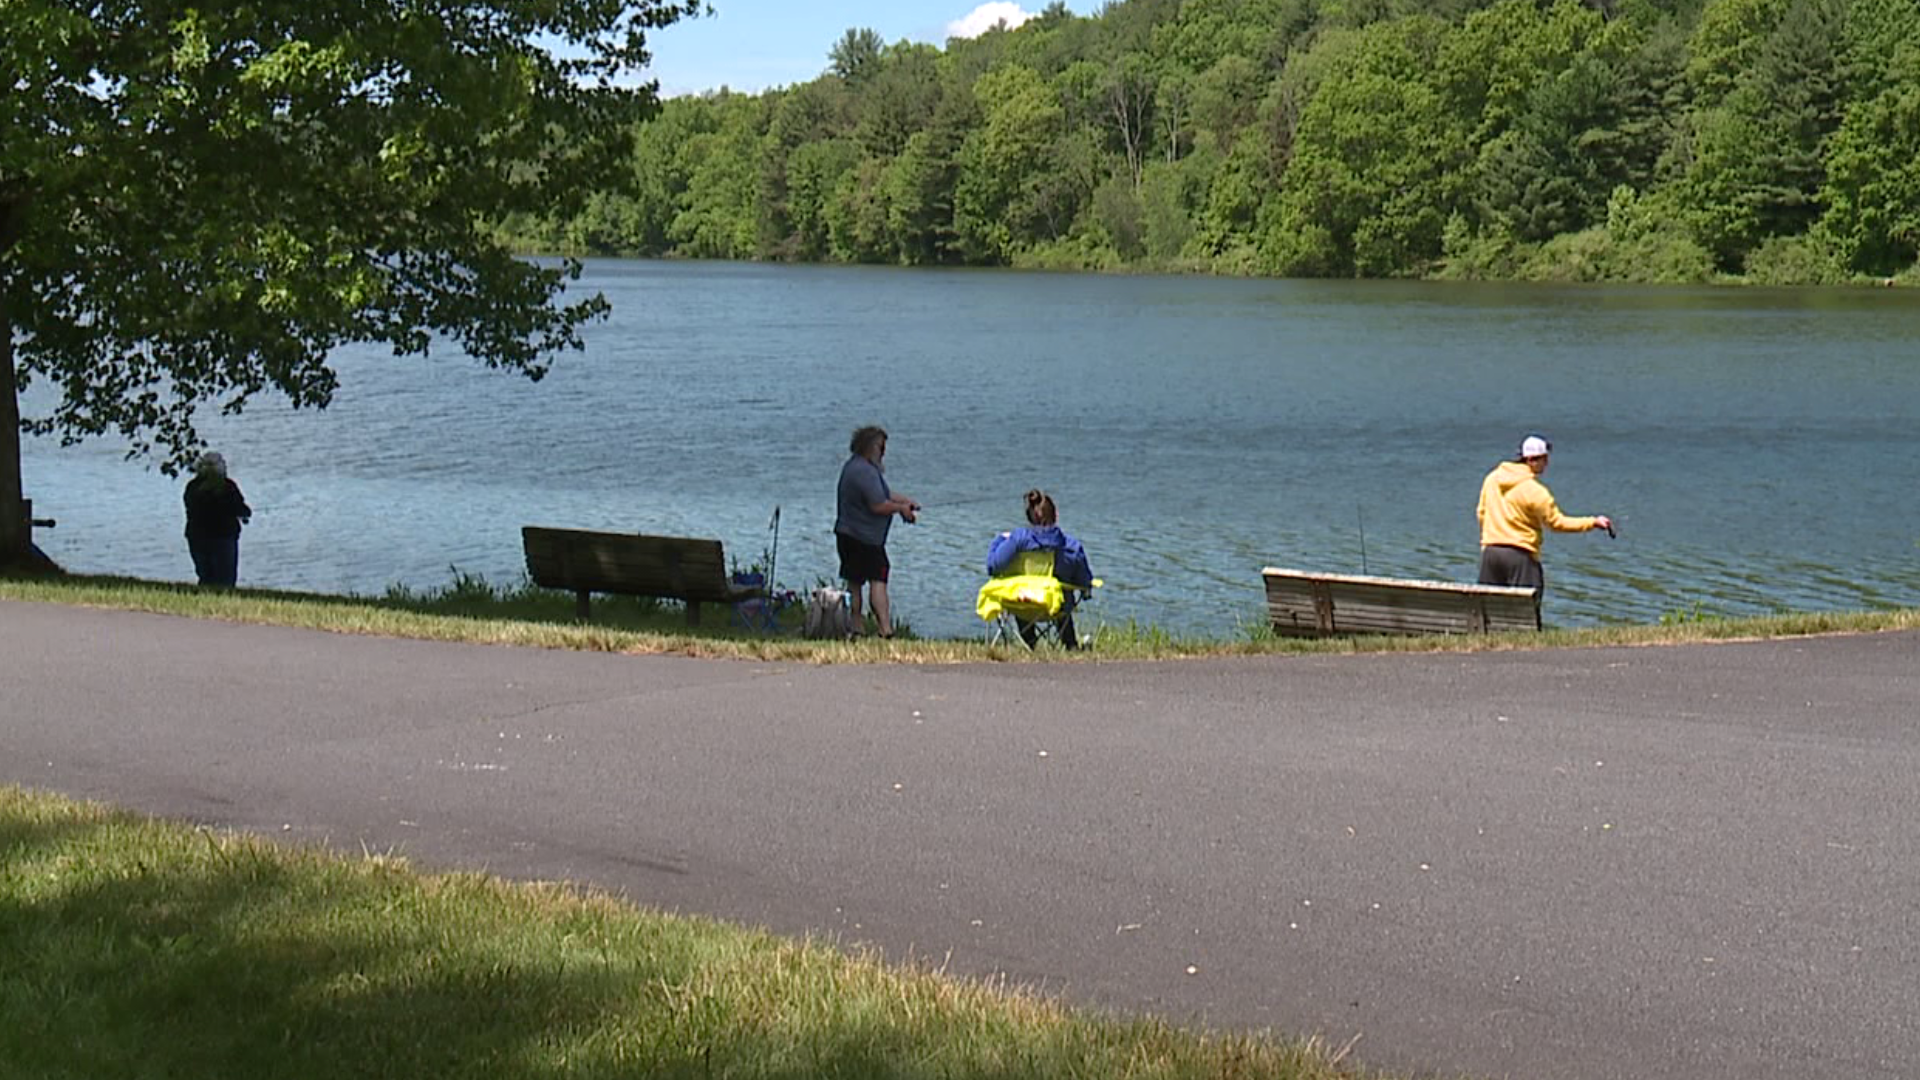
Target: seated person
{"x":1043,"y":533}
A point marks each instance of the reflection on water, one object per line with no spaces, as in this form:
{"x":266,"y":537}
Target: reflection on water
{"x":1755,"y":446}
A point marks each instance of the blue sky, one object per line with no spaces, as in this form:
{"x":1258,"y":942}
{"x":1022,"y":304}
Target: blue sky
{"x":755,"y":44}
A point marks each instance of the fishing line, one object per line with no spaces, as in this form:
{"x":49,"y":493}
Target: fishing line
{"x":976,"y":500}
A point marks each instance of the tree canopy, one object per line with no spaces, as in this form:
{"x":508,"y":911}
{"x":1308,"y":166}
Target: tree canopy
{"x":199,"y":202}
{"x":1606,"y":139}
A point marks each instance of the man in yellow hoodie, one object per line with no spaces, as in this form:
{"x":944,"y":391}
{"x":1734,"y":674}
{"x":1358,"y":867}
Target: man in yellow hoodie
{"x":1516,"y":509}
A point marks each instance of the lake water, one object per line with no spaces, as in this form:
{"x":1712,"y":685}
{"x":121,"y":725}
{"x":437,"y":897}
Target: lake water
{"x":1757,"y":448}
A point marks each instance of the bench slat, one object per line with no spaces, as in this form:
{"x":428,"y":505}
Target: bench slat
{"x":1348,"y":606}
{"x":617,"y":570}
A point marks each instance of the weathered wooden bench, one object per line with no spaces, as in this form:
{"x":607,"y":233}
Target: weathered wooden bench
{"x":632,"y":564}
{"x":1301,"y":604}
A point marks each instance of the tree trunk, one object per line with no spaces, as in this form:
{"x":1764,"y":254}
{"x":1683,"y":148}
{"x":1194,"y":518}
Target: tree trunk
{"x":14,"y":531}
{"x":1127,"y":119}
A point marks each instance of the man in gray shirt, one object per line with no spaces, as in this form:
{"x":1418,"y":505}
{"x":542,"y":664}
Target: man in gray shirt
{"x":866,"y":509}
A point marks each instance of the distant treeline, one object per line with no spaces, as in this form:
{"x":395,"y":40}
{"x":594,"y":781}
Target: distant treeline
{"x":1653,"y":140}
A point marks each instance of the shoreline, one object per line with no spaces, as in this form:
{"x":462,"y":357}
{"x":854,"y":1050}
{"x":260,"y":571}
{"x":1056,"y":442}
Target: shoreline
{"x":1907,"y":279}
{"x":543,"y":619}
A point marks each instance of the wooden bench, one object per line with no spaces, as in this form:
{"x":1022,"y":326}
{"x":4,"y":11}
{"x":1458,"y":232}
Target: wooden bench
{"x":632,"y":564}
{"x":1300,"y":604}
{"x":35,"y":561}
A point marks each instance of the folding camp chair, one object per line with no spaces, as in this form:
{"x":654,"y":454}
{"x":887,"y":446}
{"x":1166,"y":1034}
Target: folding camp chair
{"x":1029,"y":594}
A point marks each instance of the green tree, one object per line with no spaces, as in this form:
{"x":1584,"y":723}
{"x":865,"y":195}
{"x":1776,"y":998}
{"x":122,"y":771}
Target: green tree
{"x":815,"y":172}
{"x":1233,"y":201}
{"x":1004,"y":162}
{"x":1377,"y":162}
{"x":720,"y":211}
{"x":1872,"y":189}
{"x":1128,"y":26}
{"x":802,"y":116}
{"x":1073,"y":169}
{"x":917,"y":190}
{"x":1757,"y":161}
{"x":661,"y":174}
{"x":1080,"y":87}
{"x":1050,"y":41}
{"x":1873,"y":183}
{"x":899,"y":100}
{"x":1882,"y":50}
{"x":1207,"y":30}
{"x":1493,"y":65}
{"x":197,"y":204}
{"x":1116,"y":213}
{"x":1649,"y":97}
{"x":1726,"y":41}
{"x":857,"y":217}
{"x":1244,"y":184}
{"x":1541,"y":90}
{"x":856,"y":56}
{"x":1546,"y":174}
{"x":608,"y":225}
{"x":1224,"y":100}
{"x":1126,"y":96}
{"x":923,"y":181}
{"x":1170,"y":195}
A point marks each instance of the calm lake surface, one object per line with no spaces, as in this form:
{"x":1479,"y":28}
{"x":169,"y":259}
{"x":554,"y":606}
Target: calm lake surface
{"x":1756,"y":447}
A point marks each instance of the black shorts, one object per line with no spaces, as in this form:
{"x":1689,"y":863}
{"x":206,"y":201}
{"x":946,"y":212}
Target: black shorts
{"x":860,"y":561}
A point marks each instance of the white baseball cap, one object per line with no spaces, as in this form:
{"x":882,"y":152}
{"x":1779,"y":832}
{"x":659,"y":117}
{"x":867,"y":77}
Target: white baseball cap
{"x":1535,"y":446}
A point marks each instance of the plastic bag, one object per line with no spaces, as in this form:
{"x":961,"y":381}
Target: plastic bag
{"x":829,"y":614}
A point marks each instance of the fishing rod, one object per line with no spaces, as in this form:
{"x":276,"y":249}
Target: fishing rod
{"x":773,"y":553}
{"x":1361,"y":512}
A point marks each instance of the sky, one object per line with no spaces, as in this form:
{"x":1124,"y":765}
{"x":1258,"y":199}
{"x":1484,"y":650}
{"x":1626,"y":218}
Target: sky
{"x":752,"y":45}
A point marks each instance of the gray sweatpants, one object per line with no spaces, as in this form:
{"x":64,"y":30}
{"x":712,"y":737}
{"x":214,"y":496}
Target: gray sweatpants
{"x":1504,"y":565}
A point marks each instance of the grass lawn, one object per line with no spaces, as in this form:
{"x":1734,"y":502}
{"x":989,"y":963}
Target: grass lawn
{"x":137,"y":948}
{"x":473,"y":610}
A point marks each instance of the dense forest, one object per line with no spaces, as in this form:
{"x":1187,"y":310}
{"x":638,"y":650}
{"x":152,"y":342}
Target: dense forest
{"x":1654,"y":140}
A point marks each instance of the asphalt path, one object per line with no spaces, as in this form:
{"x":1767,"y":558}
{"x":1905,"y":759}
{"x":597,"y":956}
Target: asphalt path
{"x":1689,"y":861}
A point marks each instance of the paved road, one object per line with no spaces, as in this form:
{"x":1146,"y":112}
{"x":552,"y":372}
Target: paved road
{"x":1688,"y":862}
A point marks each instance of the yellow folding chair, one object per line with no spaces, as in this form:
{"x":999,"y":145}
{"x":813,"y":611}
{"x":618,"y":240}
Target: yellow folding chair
{"x":1029,"y":604}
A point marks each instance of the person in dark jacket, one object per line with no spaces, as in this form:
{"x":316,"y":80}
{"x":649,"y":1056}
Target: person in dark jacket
{"x":215,"y":512}
{"x":1043,"y":533}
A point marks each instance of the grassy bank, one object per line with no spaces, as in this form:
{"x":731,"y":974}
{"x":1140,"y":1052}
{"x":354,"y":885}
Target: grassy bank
{"x":471,"y":610}
{"x":141,"y":948}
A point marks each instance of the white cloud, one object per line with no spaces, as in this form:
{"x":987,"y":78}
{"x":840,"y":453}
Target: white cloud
{"x":986,"y":17}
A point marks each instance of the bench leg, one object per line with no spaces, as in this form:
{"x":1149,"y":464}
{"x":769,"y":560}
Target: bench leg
{"x":581,"y":604}
{"x":1323,"y":607}
{"x":693,"y":613}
